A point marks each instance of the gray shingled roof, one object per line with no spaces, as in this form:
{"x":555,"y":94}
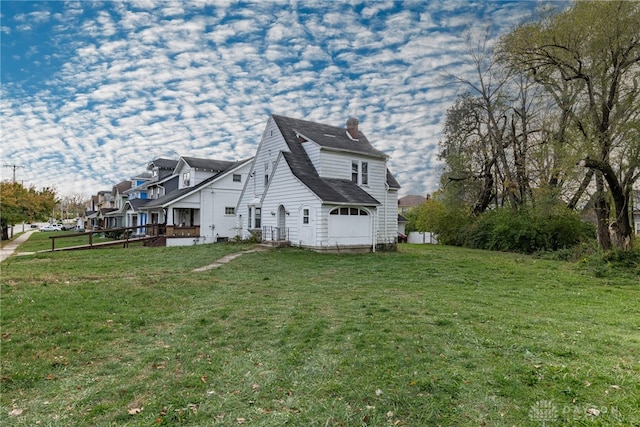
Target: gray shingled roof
{"x":164,"y":163}
{"x":136,"y":204}
{"x":207,"y":164}
{"x":329,"y":190}
{"x":167,"y":198}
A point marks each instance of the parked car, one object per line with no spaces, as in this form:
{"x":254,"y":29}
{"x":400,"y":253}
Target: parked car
{"x":50,"y":227}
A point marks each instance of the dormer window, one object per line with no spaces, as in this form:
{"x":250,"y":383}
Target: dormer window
{"x":186,"y":178}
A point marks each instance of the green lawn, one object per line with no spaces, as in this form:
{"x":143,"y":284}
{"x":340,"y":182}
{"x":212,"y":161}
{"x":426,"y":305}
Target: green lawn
{"x":430,"y":335}
{"x":41,"y":241}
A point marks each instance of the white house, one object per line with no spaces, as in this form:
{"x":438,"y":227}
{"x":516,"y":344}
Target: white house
{"x":202,"y":209}
{"x":319,"y":186}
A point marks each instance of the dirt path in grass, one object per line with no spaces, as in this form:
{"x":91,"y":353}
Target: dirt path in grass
{"x":225,"y":259}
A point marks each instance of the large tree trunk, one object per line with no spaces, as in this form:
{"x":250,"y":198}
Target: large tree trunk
{"x":620,"y":229}
{"x":602,"y":214}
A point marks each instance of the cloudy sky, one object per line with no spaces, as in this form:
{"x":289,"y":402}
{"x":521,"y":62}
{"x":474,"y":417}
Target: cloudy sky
{"x":93,"y":91}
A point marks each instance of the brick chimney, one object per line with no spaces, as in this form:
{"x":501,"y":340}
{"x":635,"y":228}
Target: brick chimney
{"x":352,"y":128}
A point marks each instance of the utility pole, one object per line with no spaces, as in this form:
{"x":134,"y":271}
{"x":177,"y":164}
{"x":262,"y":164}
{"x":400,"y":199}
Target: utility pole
{"x":14,"y":167}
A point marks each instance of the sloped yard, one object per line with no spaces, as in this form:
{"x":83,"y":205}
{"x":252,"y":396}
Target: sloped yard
{"x":430,"y":335}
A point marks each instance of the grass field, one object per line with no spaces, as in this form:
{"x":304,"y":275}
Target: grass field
{"x":427,"y":336}
{"x":41,"y":241}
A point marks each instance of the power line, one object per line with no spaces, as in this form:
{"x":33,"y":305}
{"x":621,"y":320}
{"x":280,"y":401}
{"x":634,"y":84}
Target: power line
{"x":14,"y":167}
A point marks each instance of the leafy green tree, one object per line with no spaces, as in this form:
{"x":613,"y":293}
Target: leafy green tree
{"x":19,"y":204}
{"x":594,"y":47}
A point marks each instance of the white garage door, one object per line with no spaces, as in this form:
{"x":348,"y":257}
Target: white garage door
{"x":349,"y":226}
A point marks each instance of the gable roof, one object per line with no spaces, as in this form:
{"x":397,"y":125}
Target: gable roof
{"x":161,"y":163}
{"x":329,"y":137}
{"x":207,"y":164}
{"x":329,"y":190}
{"x":121,"y":187}
{"x":178,"y":194}
{"x":136,"y":204}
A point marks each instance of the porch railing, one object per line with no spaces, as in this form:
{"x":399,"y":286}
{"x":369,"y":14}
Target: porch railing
{"x":177,"y":231}
{"x":275,"y":234}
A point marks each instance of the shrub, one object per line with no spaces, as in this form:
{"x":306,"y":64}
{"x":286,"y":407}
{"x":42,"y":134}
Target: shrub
{"x":525,"y":232}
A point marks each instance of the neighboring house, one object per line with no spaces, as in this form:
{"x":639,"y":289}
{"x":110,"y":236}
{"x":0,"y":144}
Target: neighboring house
{"x":116,"y":218}
{"x":319,"y":186}
{"x":100,"y":205}
{"x":406,"y":203}
{"x":136,"y":198}
{"x":202,"y":209}
{"x":163,"y":180}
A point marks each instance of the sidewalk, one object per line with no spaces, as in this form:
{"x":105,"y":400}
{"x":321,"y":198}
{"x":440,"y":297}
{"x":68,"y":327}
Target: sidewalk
{"x":11,"y":247}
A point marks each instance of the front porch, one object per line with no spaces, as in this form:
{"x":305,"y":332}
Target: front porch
{"x":275,"y":236}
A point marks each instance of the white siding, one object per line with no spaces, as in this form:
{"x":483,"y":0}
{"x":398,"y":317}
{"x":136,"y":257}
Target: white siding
{"x":286,"y":190}
{"x":336,"y":165}
{"x":271,"y":144}
{"x":210,"y":202}
{"x":313,"y":151}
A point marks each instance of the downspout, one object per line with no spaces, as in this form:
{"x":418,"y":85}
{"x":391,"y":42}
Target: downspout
{"x":386,"y":193}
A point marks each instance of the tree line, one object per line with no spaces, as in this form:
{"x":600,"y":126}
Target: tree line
{"x":549,"y":124}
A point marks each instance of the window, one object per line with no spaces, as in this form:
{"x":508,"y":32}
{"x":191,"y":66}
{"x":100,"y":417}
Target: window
{"x":229,"y":210}
{"x":360,"y":172}
{"x":237,"y":177}
{"x":266,"y":180}
{"x":186,"y":178}
{"x":305,"y":216}
{"x":258,"y":217}
{"x":349,"y":211}
{"x":364,"y":177}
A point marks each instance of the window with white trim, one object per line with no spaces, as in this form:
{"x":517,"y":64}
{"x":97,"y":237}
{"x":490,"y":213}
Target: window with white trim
{"x":186,"y":178}
{"x":305,"y":216}
{"x":258,"y":216}
{"x":229,"y":210}
{"x":360,"y":172}
{"x":364,"y":173}
{"x":349,"y":211}
{"x":237,"y":177}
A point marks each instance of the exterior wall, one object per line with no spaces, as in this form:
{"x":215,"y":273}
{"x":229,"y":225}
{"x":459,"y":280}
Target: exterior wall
{"x":313,"y":151}
{"x":286,"y":190}
{"x":195,"y":176}
{"x":338,"y":165}
{"x":209,"y":204}
{"x":271,"y":144}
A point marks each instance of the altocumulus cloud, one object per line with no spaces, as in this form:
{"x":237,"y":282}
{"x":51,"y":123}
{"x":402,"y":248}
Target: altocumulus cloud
{"x":92,"y":91}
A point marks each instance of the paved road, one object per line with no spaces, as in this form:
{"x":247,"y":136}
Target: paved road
{"x":8,"y":249}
